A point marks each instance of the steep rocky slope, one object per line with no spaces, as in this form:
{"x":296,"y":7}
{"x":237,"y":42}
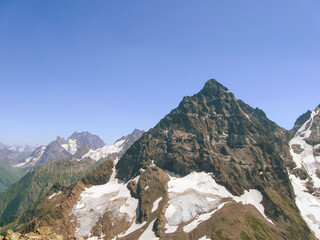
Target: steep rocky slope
{"x":213,"y":168}
{"x":26,"y":191}
{"x":305,"y":173}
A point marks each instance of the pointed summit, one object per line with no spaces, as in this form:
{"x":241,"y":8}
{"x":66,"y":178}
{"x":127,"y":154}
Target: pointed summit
{"x":213,"y":88}
{"x":73,"y":135}
{"x":213,"y":84}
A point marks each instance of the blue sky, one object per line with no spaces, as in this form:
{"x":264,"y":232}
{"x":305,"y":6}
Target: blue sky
{"x":111,"y":66}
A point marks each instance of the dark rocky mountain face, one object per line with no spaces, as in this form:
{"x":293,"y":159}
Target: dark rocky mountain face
{"x":93,"y":141}
{"x":213,"y":131}
{"x":212,"y":141}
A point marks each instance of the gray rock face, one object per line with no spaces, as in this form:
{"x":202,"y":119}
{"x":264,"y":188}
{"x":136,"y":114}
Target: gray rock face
{"x":131,"y":138}
{"x":314,"y":137}
{"x":93,"y":141}
{"x":53,"y":151}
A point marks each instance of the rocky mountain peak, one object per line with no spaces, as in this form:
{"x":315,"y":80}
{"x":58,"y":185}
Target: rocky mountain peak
{"x":93,"y":141}
{"x":60,"y":140}
{"x":214,"y":85}
{"x":209,"y":131}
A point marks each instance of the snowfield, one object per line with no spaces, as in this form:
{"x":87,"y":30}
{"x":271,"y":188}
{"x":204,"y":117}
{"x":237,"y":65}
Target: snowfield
{"x":31,"y":161}
{"x":105,"y":151}
{"x":71,"y":146}
{"x":308,"y":204}
{"x":193,"y":198}
{"x":197,"y":196}
{"x":94,"y":201}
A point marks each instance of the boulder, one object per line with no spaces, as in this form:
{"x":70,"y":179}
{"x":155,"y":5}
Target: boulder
{"x":44,"y":230}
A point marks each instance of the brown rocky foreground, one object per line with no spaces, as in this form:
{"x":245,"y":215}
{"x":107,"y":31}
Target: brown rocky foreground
{"x":44,"y":233}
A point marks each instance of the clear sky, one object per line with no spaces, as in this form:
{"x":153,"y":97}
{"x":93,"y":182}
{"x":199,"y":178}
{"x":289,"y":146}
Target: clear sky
{"x":108,"y":67}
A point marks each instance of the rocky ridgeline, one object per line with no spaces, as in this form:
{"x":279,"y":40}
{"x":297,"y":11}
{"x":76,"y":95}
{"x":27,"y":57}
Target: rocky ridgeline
{"x":44,"y":233}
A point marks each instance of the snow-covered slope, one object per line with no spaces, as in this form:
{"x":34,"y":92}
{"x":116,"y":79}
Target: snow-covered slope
{"x":197,"y":196}
{"x":192,"y":200}
{"x":95,"y":201}
{"x":306,"y":158}
{"x":71,"y":146}
{"x":33,"y":159}
{"x":105,"y":151}
{"x":116,"y":149}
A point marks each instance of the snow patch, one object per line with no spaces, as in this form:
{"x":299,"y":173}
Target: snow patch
{"x":308,"y":204}
{"x":94,"y":201}
{"x":188,"y":197}
{"x":204,"y":238}
{"x":197,"y":195}
{"x":156,"y":204}
{"x":170,"y":229}
{"x":148,"y":233}
{"x":105,"y":151}
{"x":71,"y":146}
{"x":203,"y":217}
{"x":54,"y":194}
{"x":31,"y":161}
{"x":134,"y":227}
{"x":255,"y":198}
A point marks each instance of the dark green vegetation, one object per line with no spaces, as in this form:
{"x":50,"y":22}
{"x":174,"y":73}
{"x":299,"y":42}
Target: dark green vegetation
{"x":8,"y":175}
{"x":33,"y":185}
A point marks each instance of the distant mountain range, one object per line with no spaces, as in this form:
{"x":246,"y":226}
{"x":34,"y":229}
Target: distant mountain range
{"x":59,"y":148}
{"x":14,"y":154}
{"x":213,"y":168}
{"x":61,"y":162}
